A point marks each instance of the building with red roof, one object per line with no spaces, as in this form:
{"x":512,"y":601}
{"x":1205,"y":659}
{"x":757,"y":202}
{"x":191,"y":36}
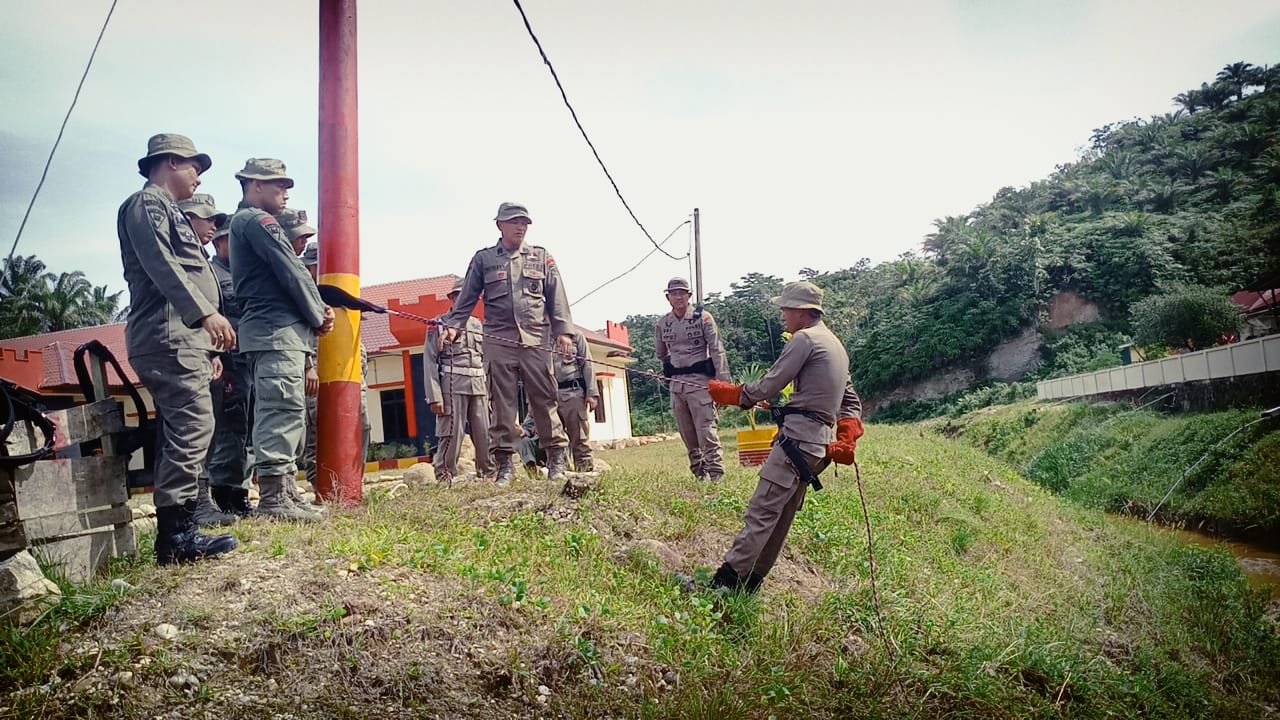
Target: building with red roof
{"x":43,"y":363}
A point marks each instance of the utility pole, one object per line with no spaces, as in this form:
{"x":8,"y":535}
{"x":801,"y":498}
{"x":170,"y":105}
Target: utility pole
{"x":697,"y":255}
{"x":339,"y":429}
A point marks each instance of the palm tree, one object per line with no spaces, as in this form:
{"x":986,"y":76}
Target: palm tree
{"x":950,"y":232}
{"x":1191,"y":101}
{"x":22,"y":297}
{"x":66,"y":305}
{"x":1237,"y":75}
{"x":103,"y":307}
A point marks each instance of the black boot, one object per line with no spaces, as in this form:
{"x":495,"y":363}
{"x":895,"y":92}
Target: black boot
{"x":208,"y":514}
{"x":752,"y":583}
{"x":177,"y":540}
{"x":726,"y":578}
{"x":230,"y":499}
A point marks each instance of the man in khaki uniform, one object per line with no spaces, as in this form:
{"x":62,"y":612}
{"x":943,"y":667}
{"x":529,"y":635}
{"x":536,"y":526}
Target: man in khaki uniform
{"x":688,"y":344}
{"x":230,"y":468}
{"x":300,"y":233}
{"x":173,"y":335}
{"x":457,"y":394}
{"x":576,"y":399}
{"x":283,"y":314}
{"x":820,"y":424}
{"x":525,"y":309}
{"x":202,"y":213}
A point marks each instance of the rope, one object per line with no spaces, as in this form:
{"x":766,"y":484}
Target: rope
{"x":578,"y":122}
{"x":628,"y":271}
{"x":13,"y":248}
{"x":871,"y":555}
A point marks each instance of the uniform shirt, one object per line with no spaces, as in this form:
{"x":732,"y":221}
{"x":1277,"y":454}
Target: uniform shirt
{"x":230,"y":306}
{"x":280,"y":302}
{"x":524,"y":300}
{"x":458,"y":369}
{"x":814,"y":360}
{"x":686,"y":341}
{"x":171,"y":285}
{"x":577,"y":368}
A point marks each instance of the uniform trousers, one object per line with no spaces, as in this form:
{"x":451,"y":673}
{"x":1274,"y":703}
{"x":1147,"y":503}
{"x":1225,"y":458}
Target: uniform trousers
{"x":464,"y":410}
{"x":280,"y":405}
{"x":571,"y":405}
{"x":178,"y":381}
{"x":229,"y":461}
{"x":779,"y":496}
{"x":698,"y":424}
{"x":506,"y":365}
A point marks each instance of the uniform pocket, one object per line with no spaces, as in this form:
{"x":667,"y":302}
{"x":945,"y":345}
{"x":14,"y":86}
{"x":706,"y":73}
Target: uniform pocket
{"x":496,"y":284}
{"x":532,"y":281}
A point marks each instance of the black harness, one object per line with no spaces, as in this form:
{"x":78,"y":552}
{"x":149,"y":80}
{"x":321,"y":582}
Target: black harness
{"x":792,"y":450}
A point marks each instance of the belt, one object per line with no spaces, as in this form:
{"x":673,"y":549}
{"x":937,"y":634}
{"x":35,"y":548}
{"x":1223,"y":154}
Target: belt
{"x":702,"y":367}
{"x":570,"y":384}
{"x":466,"y":371}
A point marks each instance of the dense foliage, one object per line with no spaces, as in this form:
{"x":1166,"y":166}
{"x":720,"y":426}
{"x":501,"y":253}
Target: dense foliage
{"x":1184,"y":313}
{"x":33,"y":301}
{"x":1184,"y":197}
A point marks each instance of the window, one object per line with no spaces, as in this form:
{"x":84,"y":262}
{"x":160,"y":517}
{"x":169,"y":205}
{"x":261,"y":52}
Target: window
{"x":600,"y":417}
{"x":395,"y":419}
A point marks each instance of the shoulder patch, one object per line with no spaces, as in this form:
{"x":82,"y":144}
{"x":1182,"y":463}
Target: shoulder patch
{"x":157,"y":211}
{"x":266,"y":220}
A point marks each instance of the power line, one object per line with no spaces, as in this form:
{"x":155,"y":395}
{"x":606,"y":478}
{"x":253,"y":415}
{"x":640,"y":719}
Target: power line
{"x":628,"y":271}
{"x":5,"y":270}
{"x":591,"y":145}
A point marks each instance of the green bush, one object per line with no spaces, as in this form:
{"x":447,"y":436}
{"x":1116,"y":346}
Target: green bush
{"x":1184,"y":312}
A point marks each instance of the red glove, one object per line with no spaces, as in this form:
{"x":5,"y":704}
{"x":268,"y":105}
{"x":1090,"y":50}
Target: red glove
{"x":841,"y":453}
{"x":848,"y":430}
{"x":723,"y":393}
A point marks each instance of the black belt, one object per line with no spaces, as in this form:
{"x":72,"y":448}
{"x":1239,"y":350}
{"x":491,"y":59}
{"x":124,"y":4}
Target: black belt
{"x":705,"y":367}
{"x":789,"y":447}
{"x":570,"y":384}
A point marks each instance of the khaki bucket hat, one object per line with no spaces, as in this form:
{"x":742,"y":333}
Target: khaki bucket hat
{"x":677,"y":283}
{"x":294,"y":223}
{"x":172,"y":144}
{"x":457,"y":288}
{"x":202,"y":206}
{"x":264,"y":169}
{"x":311,"y":254}
{"x":511,"y":211}
{"x":802,"y":295}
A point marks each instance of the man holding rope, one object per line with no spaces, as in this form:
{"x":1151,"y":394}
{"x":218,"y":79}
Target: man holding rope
{"x":525,"y":309}
{"x":820,"y":424}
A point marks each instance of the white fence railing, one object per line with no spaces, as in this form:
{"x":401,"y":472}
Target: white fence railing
{"x":1250,"y":357}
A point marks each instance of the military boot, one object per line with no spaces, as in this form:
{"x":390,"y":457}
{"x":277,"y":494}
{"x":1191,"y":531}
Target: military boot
{"x":177,"y":540}
{"x":556,"y":463}
{"x":274,"y":501}
{"x":584,"y":464}
{"x":753,"y":582}
{"x":295,"y":497}
{"x":506,"y":470}
{"x":230,"y":499}
{"x":726,"y":578}
{"x":207,"y":514}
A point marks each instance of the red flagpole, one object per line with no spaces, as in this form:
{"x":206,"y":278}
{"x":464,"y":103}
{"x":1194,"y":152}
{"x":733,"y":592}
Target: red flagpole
{"x":340,"y":473}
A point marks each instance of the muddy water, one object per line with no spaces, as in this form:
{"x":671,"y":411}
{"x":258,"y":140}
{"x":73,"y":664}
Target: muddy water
{"x":1261,"y":567}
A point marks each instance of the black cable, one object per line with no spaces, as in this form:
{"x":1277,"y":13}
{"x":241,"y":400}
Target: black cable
{"x":633,"y":267}
{"x":577,"y":122}
{"x":5,"y":270}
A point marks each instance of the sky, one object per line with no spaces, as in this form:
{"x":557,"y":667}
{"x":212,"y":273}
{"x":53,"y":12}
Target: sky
{"x":809,"y":133}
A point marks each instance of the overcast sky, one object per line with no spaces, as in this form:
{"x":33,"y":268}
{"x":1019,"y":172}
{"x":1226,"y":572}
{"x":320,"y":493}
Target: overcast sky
{"x":809,"y":133}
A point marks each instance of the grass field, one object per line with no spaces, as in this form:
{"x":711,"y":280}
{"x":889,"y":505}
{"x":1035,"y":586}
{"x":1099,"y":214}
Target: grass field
{"x":999,"y":600}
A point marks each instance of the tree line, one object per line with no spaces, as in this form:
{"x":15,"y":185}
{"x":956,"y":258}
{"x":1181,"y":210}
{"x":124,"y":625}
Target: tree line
{"x":1187,"y":198}
{"x":34,"y":300}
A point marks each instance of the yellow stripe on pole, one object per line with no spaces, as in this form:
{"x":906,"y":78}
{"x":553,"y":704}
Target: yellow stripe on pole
{"x":339,"y":359}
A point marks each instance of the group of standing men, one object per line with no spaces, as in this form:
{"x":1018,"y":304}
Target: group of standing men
{"x":474,"y":371}
{"x":249,"y":319}
{"x":252,"y":315}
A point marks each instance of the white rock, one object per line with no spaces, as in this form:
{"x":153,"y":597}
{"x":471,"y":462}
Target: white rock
{"x":544,"y":690}
{"x":122,"y":585}
{"x":420,"y":473}
{"x":25,"y":593}
{"x":165,"y":631}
